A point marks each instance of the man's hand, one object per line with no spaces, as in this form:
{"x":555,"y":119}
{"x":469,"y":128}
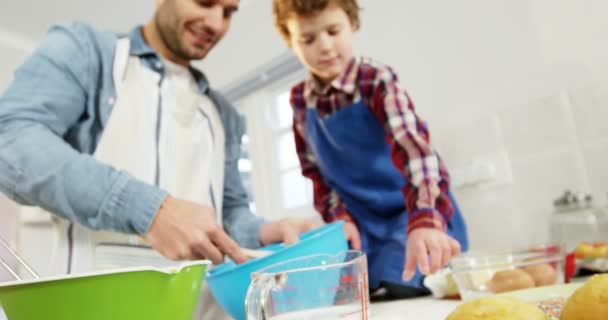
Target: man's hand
{"x":286,"y":230}
{"x":430,"y":249}
{"x":183,"y":230}
{"x":352,"y":235}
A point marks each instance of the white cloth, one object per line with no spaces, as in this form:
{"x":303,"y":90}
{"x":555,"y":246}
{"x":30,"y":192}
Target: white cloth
{"x":188,"y":113}
{"x":147,"y":136}
{"x":162,"y":132}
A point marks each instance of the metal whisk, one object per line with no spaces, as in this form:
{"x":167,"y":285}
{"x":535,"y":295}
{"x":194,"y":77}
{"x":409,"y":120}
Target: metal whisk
{"x":21,"y":261}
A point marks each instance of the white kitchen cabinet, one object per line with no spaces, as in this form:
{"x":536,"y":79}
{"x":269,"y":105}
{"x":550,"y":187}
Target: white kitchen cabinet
{"x":38,"y":242}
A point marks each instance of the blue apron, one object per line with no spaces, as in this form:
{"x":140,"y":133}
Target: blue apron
{"x":355,"y":161}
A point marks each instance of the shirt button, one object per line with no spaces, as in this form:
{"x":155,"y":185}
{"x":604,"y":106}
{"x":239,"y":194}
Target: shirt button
{"x":158,"y":65}
{"x":111,"y":101}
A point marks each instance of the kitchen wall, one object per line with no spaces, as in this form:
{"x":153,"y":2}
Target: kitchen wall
{"x":516,"y":84}
{"x":519,"y":84}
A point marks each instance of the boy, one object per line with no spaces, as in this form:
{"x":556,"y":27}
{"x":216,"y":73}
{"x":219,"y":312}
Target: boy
{"x":367,"y":152}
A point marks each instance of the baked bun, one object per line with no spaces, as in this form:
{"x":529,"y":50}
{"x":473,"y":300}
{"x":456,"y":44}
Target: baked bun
{"x":543,"y":274}
{"x":509,"y":280}
{"x":497,"y":308}
{"x":589,"y":302}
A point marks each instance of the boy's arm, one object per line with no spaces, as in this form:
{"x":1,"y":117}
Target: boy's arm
{"x":428,"y":181}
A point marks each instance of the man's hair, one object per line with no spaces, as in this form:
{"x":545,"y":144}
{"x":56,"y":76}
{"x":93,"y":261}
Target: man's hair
{"x":283,"y":10}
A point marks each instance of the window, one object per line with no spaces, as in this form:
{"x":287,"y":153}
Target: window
{"x":296,"y":190}
{"x":269,"y":164}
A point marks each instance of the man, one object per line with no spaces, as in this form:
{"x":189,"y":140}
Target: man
{"x":121,"y":134}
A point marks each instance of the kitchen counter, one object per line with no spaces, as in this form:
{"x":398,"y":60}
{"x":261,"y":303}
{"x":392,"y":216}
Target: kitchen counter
{"x":426,"y":308}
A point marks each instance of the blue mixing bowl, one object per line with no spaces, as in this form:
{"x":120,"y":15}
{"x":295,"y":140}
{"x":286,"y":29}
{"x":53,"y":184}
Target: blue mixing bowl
{"x":228,"y":282}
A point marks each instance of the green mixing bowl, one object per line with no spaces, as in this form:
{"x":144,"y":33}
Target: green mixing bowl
{"x":125,"y":294}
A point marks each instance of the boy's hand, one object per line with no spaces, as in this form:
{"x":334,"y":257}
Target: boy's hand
{"x":430,"y":249}
{"x":286,"y":230}
{"x":352,"y":235}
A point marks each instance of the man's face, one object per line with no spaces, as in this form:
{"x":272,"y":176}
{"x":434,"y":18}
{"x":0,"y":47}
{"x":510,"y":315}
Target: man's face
{"x":190,"y":28}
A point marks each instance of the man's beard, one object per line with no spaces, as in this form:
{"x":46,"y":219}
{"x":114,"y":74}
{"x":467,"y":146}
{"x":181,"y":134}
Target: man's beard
{"x":167,"y":28}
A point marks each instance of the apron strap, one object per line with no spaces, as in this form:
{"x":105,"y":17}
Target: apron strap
{"x":121,"y":58}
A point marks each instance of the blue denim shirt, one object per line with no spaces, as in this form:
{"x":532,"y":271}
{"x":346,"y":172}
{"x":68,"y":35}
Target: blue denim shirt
{"x":52,"y":116}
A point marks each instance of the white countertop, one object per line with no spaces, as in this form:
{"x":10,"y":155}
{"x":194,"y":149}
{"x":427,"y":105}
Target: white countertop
{"x":411,"y":309}
{"x":426,"y":308}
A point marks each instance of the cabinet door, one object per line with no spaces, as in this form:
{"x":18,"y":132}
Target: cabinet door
{"x":38,"y":242}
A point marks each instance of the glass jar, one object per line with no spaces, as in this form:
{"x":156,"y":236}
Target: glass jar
{"x":603,"y":224}
{"x":576,"y":219}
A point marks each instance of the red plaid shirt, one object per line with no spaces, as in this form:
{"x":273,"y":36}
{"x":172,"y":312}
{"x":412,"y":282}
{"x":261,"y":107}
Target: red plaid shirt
{"x":425,"y":194}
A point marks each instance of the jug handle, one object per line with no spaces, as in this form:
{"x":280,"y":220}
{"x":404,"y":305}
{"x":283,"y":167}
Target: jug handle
{"x":258,"y":294}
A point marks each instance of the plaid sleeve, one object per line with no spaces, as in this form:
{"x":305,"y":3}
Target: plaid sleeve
{"x":428,"y":181}
{"x":327,"y":202}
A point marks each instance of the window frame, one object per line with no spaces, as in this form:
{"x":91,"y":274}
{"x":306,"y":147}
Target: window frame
{"x":259,"y":109}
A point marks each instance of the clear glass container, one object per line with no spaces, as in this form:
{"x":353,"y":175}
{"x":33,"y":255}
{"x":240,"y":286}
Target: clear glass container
{"x":483,"y":273}
{"x":603,"y":222}
{"x":576,"y":219}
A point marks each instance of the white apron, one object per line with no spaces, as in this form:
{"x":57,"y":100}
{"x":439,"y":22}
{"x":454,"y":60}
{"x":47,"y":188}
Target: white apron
{"x":180,"y":150}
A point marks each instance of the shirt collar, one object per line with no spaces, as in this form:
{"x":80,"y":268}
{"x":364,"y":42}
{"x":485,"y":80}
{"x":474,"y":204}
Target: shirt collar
{"x":139,"y":47}
{"x":345,"y":82}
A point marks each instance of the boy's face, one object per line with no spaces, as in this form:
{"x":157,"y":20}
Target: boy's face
{"x":323,"y":41}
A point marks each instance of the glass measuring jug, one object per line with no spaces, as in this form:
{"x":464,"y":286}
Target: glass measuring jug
{"x":315,"y":287}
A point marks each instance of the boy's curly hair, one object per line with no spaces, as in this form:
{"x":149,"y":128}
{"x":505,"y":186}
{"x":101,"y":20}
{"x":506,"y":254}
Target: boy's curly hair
{"x":283,"y":10}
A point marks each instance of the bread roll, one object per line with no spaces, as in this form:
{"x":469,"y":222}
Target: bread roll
{"x":497,"y":308}
{"x":589,"y":302}
{"x":543,"y":274}
{"x":509,"y":280}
